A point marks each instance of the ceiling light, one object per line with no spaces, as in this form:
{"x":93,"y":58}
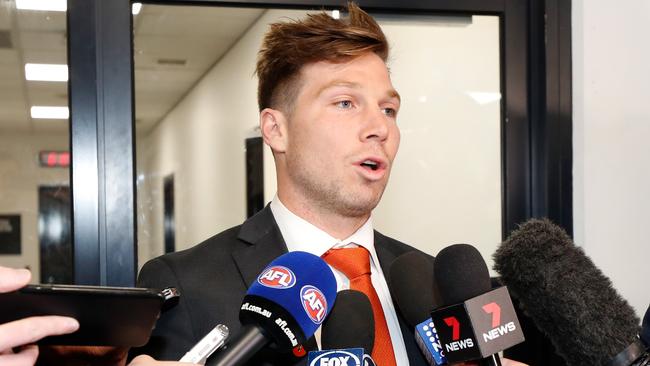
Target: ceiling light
{"x":50,"y":112}
{"x":483,"y":98}
{"x":47,"y":5}
{"x":135,"y":8}
{"x":46,"y":72}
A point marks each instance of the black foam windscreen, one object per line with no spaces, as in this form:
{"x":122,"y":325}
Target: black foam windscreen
{"x":412,"y":282}
{"x":460,"y":274}
{"x":350,"y":324}
{"x":645,"y":331}
{"x":565,"y":294}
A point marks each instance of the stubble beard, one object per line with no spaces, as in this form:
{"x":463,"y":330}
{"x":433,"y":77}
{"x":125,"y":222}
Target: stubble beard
{"x":332,"y":195}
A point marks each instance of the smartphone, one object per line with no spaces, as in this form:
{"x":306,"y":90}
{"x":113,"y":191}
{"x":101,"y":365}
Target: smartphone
{"x":108,"y":316}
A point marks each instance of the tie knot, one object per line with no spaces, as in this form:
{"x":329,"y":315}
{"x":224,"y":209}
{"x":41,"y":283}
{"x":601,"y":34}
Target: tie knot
{"x":353,"y":262}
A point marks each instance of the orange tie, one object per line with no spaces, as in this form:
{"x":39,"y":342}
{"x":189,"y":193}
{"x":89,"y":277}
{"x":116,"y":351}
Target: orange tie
{"x":355,"y":264}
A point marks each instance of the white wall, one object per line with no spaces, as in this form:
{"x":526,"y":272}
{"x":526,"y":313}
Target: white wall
{"x":611,"y":142}
{"x":201,"y":141}
{"x":20,"y":177}
{"x":446,"y":185}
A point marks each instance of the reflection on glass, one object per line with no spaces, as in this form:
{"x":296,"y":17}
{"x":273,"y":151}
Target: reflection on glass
{"x":196,"y":107}
{"x":34,"y":144}
{"x":446,"y":184}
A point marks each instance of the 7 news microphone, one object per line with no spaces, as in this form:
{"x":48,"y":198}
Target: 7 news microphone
{"x":569,"y":298}
{"x":412,"y":281}
{"x":283,"y":308}
{"x":348,"y":333}
{"x":474,"y":322}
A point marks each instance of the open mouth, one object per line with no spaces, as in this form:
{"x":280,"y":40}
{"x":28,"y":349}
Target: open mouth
{"x":373,"y":165}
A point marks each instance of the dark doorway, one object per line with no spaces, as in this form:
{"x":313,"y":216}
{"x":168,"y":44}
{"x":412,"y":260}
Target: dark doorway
{"x":54,"y":234}
{"x":168,"y":214}
{"x":254,"y":175}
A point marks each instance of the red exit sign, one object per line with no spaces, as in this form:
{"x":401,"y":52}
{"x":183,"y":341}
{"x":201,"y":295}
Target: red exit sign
{"x":54,"y":159}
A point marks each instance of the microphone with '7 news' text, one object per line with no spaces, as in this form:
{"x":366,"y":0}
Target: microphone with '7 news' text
{"x":474,"y":322}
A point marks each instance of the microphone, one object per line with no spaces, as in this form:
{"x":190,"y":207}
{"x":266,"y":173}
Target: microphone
{"x":350,"y":324}
{"x":414,"y":290}
{"x":645,"y":331}
{"x":568,"y":297}
{"x":285,"y":305}
{"x":474,"y":321}
{"x":348,"y":333}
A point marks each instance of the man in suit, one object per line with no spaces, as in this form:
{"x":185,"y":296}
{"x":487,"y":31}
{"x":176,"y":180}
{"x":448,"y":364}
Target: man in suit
{"x":328,"y":112}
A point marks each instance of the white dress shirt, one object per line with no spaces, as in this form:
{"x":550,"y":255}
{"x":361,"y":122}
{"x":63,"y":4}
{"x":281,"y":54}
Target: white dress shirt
{"x":301,"y":235}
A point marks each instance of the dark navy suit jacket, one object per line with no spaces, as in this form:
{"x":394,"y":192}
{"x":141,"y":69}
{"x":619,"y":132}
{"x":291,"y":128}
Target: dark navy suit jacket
{"x":213,"y":277}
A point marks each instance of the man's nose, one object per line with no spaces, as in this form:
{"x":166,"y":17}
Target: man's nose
{"x":376,"y":125}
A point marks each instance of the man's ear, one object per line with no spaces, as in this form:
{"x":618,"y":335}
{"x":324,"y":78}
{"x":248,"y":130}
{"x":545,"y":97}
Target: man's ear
{"x":273,"y":126}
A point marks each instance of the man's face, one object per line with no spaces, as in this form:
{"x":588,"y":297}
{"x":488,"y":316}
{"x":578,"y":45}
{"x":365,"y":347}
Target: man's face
{"x":342,"y":135}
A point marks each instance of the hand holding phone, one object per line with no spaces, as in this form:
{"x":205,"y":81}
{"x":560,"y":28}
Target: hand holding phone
{"x":20,"y":334}
{"x":108,"y":316}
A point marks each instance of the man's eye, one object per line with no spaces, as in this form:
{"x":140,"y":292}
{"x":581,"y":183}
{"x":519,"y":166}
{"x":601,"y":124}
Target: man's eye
{"x":345,"y":104}
{"x":390,"y":112}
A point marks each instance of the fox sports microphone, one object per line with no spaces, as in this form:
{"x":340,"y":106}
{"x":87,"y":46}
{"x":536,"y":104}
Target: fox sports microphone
{"x":568,"y":297}
{"x":412,"y":281}
{"x":474,"y":322}
{"x":285,"y":305}
{"x":348,"y":333}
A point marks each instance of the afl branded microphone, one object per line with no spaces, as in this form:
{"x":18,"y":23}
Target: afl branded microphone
{"x":289,"y":300}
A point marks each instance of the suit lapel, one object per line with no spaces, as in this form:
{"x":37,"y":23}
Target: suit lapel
{"x":265,"y":243}
{"x":386,"y":258}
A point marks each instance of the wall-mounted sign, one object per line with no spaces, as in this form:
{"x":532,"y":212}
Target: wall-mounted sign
{"x":9,"y":234}
{"x":54,"y":159}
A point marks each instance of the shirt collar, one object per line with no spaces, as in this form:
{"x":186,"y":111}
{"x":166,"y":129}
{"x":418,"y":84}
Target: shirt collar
{"x":300,"y":234}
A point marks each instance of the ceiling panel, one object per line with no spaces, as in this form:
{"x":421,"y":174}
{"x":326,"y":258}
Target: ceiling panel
{"x":9,"y":58}
{"x":189,"y":21}
{"x":41,"y":56}
{"x":43,"y":41}
{"x":198,"y":35}
{"x":41,"y":21}
{"x":50,"y":125}
{"x":200,"y":53}
{"x":5,"y":16}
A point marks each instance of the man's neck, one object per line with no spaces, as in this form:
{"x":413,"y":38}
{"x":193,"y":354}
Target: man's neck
{"x":335,"y":224}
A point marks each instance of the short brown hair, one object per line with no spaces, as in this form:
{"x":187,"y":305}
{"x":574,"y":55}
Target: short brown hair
{"x":288,"y":46}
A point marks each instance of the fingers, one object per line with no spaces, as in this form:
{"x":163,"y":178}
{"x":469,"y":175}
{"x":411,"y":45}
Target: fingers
{"x":30,"y":330}
{"x":142,"y":360}
{"x":13,"y":279}
{"x":27,"y":356}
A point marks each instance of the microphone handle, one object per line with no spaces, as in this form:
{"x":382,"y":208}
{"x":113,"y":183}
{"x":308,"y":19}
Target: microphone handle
{"x":493,"y":360}
{"x":248,"y":342}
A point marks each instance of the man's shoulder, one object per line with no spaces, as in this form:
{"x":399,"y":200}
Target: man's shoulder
{"x":223,"y":242}
{"x":395,"y":247}
{"x":211,"y":253}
